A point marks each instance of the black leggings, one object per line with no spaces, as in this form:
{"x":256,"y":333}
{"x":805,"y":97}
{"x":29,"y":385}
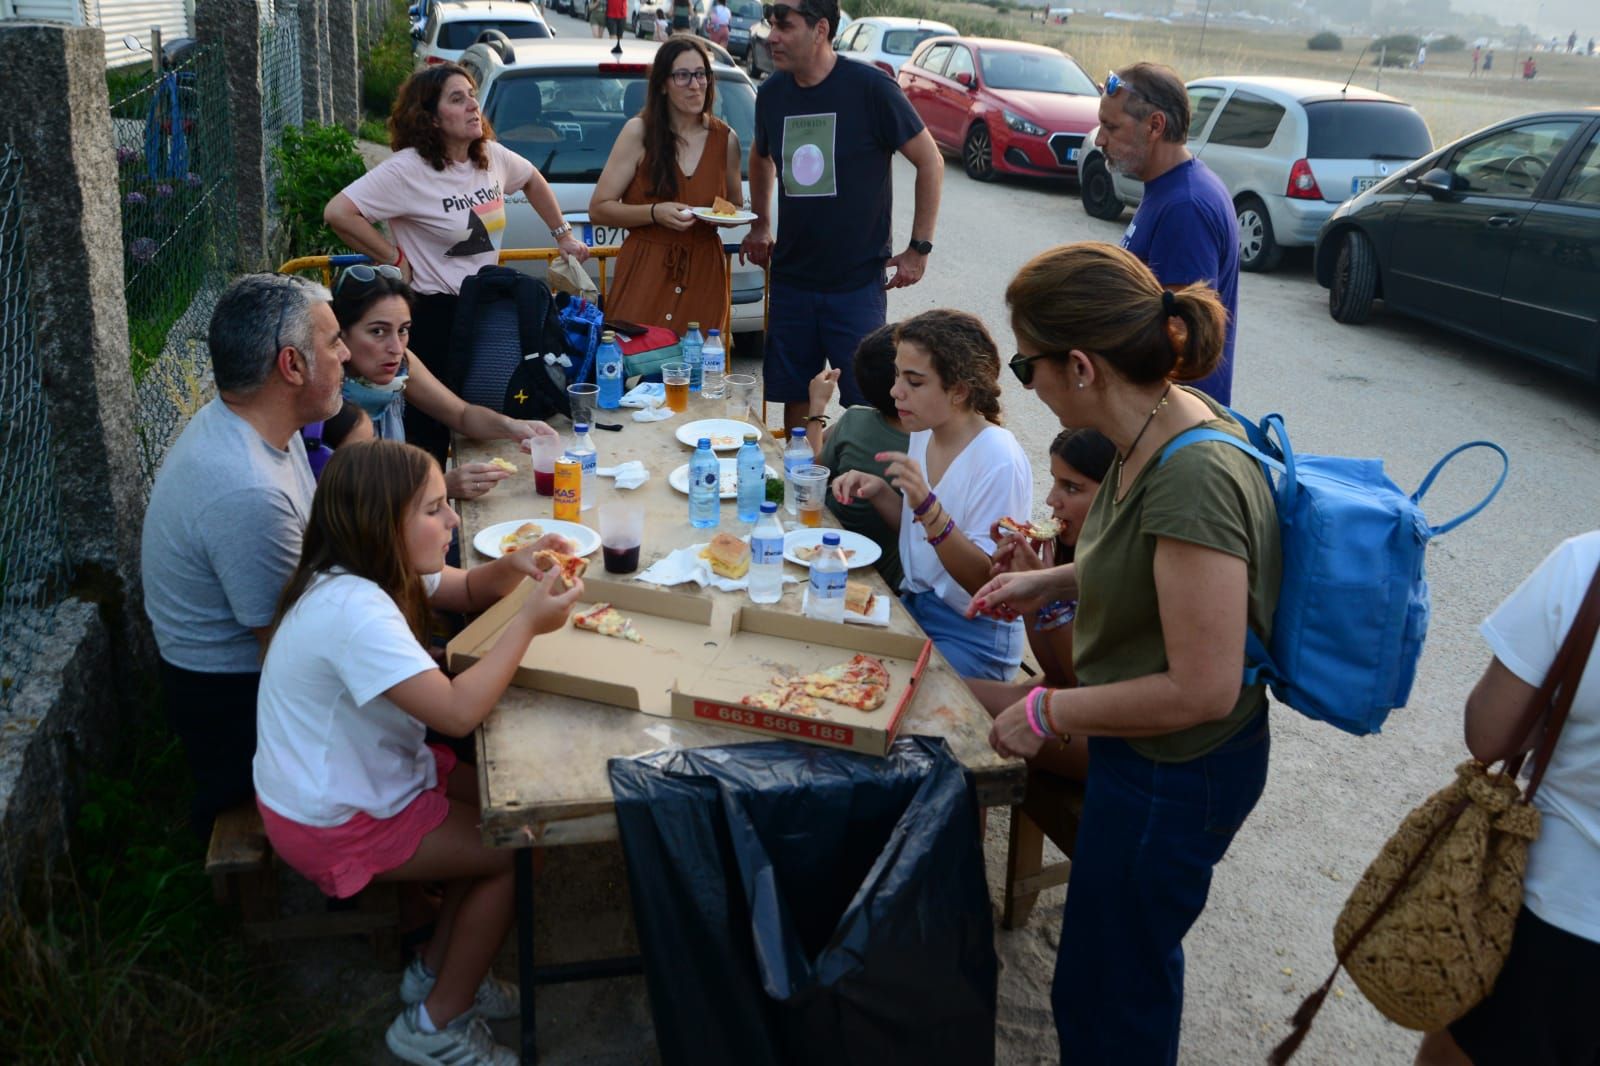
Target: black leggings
{"x":433,"y":317}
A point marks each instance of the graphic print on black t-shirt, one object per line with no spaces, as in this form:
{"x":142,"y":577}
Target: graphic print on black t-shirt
{"x":809,"y":155}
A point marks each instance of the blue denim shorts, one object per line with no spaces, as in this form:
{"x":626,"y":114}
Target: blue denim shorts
{"x":977,"y":647}
{"x":807,"y":330}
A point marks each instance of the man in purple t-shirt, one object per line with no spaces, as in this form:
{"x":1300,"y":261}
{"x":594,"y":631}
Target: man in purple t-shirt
{"x":1185,"y":229}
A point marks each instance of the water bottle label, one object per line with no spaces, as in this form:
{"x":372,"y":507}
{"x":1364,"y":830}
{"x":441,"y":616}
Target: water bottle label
{"x":828,"y":584}
{"x":708,"y":479}
{"x":611,"y":369}
{"x":765,"y":551}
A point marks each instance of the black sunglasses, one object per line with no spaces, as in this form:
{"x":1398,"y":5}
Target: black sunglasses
{"x":1022,"y":366}
{"x":779,"y":12}
{"x":364,"y":274}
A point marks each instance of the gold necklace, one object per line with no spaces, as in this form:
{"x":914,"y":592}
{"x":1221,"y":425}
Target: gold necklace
{"x":1121,"y":458}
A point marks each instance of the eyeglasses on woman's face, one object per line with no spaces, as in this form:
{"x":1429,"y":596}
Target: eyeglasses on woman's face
{"x":684,"y":78}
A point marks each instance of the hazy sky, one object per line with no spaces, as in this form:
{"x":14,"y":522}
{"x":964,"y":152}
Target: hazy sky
{"x":1551,"y":16}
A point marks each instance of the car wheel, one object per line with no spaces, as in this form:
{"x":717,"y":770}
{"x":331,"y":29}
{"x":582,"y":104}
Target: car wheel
{"x":977,"y":154}
{"x":1258,"y":251}
{"x":1098,"y":192}
{"x":1355,"y":280}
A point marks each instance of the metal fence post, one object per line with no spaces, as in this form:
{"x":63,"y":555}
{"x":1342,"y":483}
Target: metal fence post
{"x":71,"y":224}
{"x":235,"y":26}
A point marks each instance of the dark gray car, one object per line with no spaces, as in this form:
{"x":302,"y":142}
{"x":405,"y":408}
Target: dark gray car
{"x":745,"y":15}
{"x":1496,"y":236}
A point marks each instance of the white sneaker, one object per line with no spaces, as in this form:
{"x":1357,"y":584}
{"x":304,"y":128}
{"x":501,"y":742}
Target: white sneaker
{"x":495,"y":1000}
{"x":464,"y":1042}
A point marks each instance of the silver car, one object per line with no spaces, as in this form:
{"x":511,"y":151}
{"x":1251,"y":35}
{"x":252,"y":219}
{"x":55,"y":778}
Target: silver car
{"x":1290,"y":151}
{"x":561,"y":104}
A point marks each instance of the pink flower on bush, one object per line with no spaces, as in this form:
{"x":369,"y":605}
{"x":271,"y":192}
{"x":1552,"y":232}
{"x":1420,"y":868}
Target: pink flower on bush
{"x":163,"y":190}
{"x":135,"y":198}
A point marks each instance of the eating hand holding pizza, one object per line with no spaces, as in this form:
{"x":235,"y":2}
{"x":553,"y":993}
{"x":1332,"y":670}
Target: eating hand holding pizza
{"x":1013,"y":594}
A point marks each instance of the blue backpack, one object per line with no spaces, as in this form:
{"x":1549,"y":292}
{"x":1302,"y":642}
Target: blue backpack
{"x":1353,"y":607}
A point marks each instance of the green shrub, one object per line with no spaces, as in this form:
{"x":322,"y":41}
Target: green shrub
{"x":1325,"y":41}
{"x":387,"y":64}
{"x":373,"y":129}
{"x":1396,"y":50}
{"x":317,"y":162}
{"x":1448,"y":43}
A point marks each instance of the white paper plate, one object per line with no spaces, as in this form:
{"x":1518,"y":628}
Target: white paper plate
{"x":585,"y":540}
{"x":730,"y":430}
{"x":866,"y":549}
{"x":679,"y":478}
{"x":739,"y":218}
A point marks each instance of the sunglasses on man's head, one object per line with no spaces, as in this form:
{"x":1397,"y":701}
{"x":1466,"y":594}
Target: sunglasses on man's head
{"x":366,"y":274}
{"x":1115,"y":84}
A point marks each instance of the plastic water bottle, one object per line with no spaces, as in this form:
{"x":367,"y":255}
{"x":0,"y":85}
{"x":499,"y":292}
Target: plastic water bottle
{"x":752,"y":479}
{"x":583,"y":451}
{"x":796,"y":455}
{"x":766,"y":557}
{"x":713,"y":360}
{"x":705,"y":487}
{"x":693,"y":344}
{"x":608,"y":371}
{"x":825,"y":597}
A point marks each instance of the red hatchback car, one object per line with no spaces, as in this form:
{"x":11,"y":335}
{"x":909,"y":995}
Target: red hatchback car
{"x":1006,"y":106}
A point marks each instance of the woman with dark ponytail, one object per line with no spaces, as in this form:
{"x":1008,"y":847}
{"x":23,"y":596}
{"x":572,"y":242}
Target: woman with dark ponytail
{"x":1178,"y":558}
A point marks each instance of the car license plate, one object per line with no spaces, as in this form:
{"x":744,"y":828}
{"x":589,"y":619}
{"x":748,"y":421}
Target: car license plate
{"x":1072,"y":154}
{"x":1358,"y":185}
{"x":603,"y":236}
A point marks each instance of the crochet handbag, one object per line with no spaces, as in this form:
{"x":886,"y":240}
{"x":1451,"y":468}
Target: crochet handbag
{"x":1428,"y":927}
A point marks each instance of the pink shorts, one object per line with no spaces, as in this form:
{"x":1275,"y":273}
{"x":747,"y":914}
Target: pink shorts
{"x":341,"y":859}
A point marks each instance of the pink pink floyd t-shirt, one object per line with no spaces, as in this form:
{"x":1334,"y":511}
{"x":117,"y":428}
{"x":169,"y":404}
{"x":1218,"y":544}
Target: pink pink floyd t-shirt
{"x":449,"y":222}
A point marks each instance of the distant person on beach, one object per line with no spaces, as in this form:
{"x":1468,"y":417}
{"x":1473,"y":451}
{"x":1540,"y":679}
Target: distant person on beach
{"x":1488,"y":61}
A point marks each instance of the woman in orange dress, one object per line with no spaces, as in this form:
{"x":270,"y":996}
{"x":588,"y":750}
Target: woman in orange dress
{"x":672,"y":156}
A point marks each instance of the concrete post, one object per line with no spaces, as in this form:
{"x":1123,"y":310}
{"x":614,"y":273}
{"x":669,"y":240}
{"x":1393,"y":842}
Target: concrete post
{"x":73,"y":228}
{"x":312,"y":58}
{"x":235,"y":25}
{"x":342,"y":57}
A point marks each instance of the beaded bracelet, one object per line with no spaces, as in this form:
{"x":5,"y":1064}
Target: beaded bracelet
{"x":1054,"y":615}
{"x":922,"y":508}
{"x":949,"y":527}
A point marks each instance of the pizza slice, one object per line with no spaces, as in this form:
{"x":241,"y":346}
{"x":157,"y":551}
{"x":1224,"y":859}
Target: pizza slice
{"x":862,"y":683}
{"x":570,"y":567}
{"x":783,"y":698}
{"x":723,"y":208}
{"x":1046,"y":529}
{"x":807,"y":552}
{"x":606,"y":620}
{"x":503,"y":464}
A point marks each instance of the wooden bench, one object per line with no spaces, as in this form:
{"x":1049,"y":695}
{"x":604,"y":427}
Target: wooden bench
{"x":1051,"y":808}
{"x":240,"y":863}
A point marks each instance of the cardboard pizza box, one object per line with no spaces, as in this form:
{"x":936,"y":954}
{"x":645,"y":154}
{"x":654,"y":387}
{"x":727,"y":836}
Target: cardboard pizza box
{"x":766,"y":644}
{"x":573,"y":662}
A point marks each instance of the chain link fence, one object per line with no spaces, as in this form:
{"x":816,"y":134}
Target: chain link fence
{"x":33,"y":561}
{"x":280,"y":93}
{"x":179,"y":241}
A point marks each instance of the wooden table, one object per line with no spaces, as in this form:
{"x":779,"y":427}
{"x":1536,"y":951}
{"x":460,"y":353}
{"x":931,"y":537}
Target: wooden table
{"x":542,"y":757}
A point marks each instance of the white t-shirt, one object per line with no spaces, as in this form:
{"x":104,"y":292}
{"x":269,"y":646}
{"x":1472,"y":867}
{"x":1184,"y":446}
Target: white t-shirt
{"x":328,"y":744}
{"x":1563,"y":881}
{"x":988,"y":481}
{"x":448,"y":222}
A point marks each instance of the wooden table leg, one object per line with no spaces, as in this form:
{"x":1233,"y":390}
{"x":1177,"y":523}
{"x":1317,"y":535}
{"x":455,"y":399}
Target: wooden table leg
{"x":1024,"y":857}
{"x":522,"y":864}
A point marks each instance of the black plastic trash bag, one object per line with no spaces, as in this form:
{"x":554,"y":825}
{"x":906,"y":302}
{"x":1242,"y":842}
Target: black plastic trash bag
{"x":801,"y":905}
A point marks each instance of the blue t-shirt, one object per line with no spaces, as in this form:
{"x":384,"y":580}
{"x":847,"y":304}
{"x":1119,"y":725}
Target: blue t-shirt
{"x":834,"y":144}
{"x":1185,"y":231}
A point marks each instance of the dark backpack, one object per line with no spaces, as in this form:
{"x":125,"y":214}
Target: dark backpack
{"x":506,"y":323}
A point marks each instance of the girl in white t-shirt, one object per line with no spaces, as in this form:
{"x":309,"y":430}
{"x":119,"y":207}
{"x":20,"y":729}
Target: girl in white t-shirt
{"x":960,"y":474}
{"x":347,"y":787}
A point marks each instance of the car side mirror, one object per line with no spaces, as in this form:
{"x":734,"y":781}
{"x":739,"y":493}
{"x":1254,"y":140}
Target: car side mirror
{"x":416,"y":34}
{"x":1438,"y":183}
{"x":964,"y":80}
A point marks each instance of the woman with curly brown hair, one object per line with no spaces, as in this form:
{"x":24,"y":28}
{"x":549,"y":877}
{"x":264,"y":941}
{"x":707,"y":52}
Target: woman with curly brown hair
{"x":443,"y":195}
{"x":959,"y":475}
{"x":672,"y":156}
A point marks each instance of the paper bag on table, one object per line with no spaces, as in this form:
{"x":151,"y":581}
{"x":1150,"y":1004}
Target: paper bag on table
{"x":567,"y":275}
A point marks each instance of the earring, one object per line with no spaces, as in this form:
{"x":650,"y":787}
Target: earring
{"x":1080,"y":384}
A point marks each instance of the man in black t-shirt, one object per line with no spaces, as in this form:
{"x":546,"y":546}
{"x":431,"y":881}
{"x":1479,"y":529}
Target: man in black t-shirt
{"x":829,"y":130}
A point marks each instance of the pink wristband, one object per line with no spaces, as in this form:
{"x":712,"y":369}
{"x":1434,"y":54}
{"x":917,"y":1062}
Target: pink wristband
{"x":1036,"y":719}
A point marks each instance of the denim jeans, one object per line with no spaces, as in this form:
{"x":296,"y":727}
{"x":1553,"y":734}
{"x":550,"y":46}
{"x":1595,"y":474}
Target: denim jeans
{"x":806,"y":330}
{"x":1150,"y":835}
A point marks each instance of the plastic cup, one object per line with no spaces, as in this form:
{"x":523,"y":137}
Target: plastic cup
{"x":811,"y":493}
{"x":676,"y":378}
{"x":582,"y":398}
{"x":545,"y":452}
{"x":742,"y":396}
{"x":621,"y":535}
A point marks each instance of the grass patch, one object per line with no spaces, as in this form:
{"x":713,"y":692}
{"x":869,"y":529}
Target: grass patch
{"x":131,"y":960}
{"x":386,"y":65}
{"x":373,"y":129}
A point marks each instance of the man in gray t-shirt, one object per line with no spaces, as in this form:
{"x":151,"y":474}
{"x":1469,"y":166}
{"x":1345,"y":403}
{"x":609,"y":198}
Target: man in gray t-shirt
{"x":229,"y":505}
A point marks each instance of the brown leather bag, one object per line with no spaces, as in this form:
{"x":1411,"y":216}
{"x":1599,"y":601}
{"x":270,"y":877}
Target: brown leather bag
{"x":1428,"y":927}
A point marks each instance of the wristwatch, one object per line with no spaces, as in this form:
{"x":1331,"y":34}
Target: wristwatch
{"x":566,"y":228}
{"x":921,"y":247}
